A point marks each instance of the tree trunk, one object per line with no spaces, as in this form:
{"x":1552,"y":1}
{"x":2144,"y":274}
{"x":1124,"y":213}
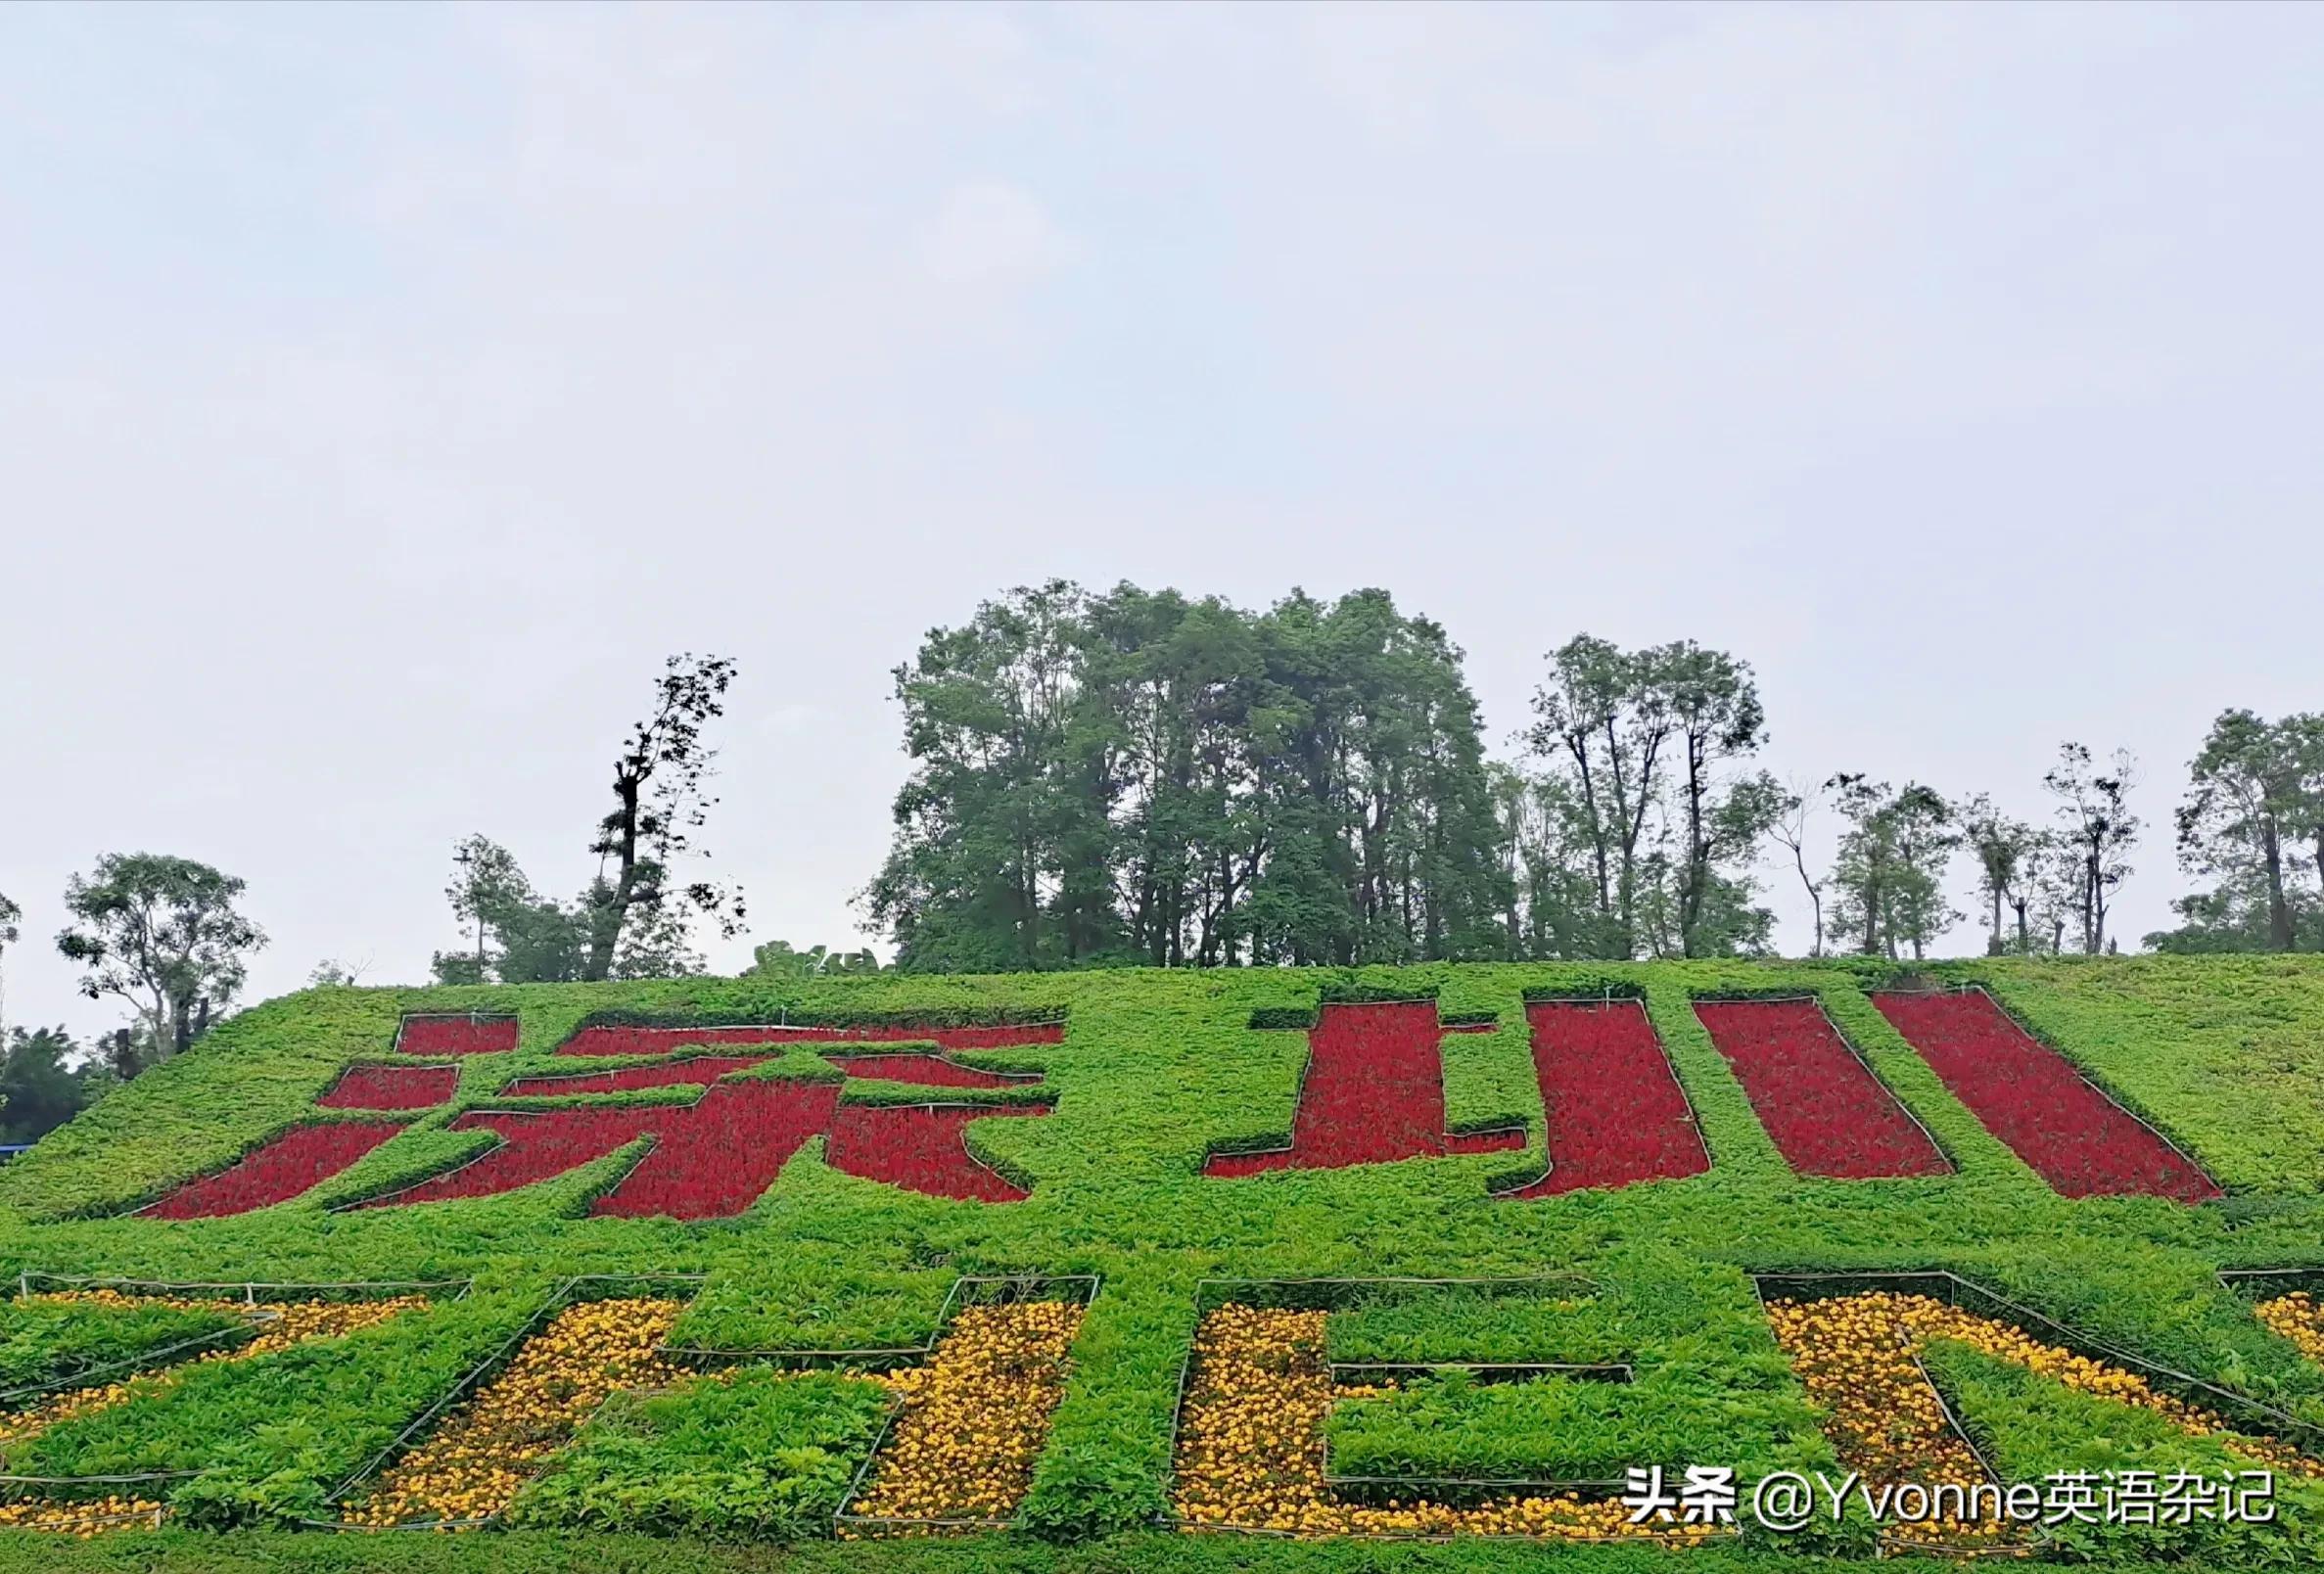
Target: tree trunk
{"x":2279,"y":911}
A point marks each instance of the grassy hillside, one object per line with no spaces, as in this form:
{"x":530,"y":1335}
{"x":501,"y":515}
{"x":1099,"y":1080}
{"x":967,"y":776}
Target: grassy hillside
{"x":1154,"y":1072}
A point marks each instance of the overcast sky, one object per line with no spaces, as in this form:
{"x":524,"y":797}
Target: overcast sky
{"x":385,"y":391}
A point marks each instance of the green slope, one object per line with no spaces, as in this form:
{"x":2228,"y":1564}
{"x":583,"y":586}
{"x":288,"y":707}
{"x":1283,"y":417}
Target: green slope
{"x":1156,"y":1070}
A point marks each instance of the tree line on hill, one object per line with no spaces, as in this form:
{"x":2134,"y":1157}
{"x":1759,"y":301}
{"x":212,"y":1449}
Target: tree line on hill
{"x":1138,"y":777}
{"x":1141,"y":778}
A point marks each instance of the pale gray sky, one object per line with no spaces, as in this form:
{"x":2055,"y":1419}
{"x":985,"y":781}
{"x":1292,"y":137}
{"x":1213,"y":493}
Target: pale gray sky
{"x":384,"y":390}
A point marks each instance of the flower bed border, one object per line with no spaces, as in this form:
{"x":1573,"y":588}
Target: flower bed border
{"x":1319,"y":1295}
{"x":139,"y":1365}
{"x":570,"y":1291}
{"x":1015,"y":1289}
{"x":2081,"y":1072}
{"x":2266,"y":1283}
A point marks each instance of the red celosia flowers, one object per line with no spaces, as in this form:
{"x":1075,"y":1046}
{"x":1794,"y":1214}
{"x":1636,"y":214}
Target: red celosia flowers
{"x":456,"y":1036}
{"x":298,"y":1160}
{"x":1823,"y":1106}
{"x":2077,"y":1139}
{"x":1616,"y":1113}
{"x":711,"y":1159}
{"x":1373,"y":1092}
{"x":391,"y":1087}
{"x":921,"y":1148}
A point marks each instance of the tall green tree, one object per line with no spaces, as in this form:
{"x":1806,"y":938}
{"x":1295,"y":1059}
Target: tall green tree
{"x":1888,"y":879}
{"x":2006,"y":852}
{"x":520,"y":936}
{"x":1649,"y":748}
{"x":1141,"y":776}
{"x":164,"y":935}
{"x":40,"y":1088}
{"x":2252,"y":823}
{"x":635,"y":917}
{"x":2096,"y":831}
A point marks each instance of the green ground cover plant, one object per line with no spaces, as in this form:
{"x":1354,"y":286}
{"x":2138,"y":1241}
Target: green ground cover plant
{"x":1156,"y":1070}
{"x":46,"y":1341}
{"x":754,"y":1451}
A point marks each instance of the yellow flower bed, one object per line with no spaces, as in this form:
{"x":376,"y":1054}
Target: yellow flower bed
{"x":475,"y":1463}
{"x":1250,"y":1451}
{"x":2298,"y":1318}
{"x":81,"y":1519}
{"x":1855,"y":1354}
{"x":280,"y":1327}
{"x":974,"y":1418}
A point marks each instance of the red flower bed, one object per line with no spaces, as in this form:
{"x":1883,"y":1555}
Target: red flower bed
{"x":924,"y":1071}
{"x":456,"y":1036}
{"x":722,"y":1153}
{"x":634,"y":1040}
{"x":676,"y":1072}
{"x":391,"y":1087}
{"x":2074,"y":1137}
{"x":297,"y":1161}
{"x":533,"y":1147}
{"x":1616,"y":1112}
{"x":922,"y":1147}
{"x":1373,"y":1092}
{"x":1826,"y":1110}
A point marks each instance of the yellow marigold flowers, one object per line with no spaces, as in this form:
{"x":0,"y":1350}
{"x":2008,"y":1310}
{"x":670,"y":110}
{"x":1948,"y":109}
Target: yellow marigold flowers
{"x":975,"y":1417}
{"x":1855,"y":1352}
{"x":2298,"y":1318}
{"x":81,"y":1519}
{"x":280,"y":1325}
{"x":1250,"y":1452}
{"x":471,"y":1470}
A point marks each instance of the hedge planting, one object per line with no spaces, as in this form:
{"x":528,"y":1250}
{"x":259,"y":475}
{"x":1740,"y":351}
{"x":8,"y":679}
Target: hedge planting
{"x":1120,"y":1087}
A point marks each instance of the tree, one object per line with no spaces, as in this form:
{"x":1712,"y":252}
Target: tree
{"x":1142,"y":777}
{"x":659,"y":800}
{"x":779,"y":959}
{"x":1888,"y":878}
{"x":520,"y":936}
{"x":1789,"y":831}
{"x":40,"y":1088}
{"x":1644,"y":742}
{"x":634,"y":919}
{"x":2005,"y":850}
{"x":2244,"y":792}
{"x":163,"y":934}
{"x":2097,"y":829}
{"x":332,"y":973}
{"x":10,"y":915}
